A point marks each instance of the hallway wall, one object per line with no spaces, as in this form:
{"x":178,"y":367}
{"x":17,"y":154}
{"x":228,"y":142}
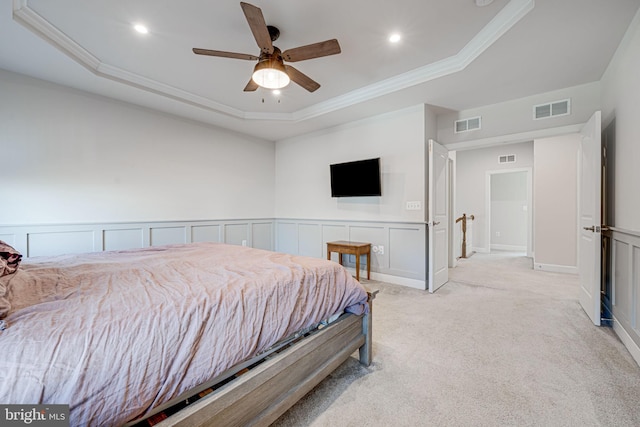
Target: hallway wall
{"x":472,"y":168}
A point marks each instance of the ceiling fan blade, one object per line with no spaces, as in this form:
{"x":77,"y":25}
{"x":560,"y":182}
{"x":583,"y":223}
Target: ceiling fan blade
{"x":258,"y":26}
{"x":223,"y":54}
{"x":316,"y":50}
{"x":251,"y":86}
{"x":302,"y":79}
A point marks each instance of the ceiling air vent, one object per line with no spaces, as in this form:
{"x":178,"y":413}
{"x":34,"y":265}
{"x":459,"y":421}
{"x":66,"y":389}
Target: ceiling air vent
{"x":509,"y":158}
{"x":552,"y":109}
{"x":466,"y":125}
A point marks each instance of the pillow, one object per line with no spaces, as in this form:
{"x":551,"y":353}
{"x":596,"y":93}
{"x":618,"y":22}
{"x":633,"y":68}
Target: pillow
{"x":9,"y":262}
{"x":9,"y":259}
{"x":5,"y":306}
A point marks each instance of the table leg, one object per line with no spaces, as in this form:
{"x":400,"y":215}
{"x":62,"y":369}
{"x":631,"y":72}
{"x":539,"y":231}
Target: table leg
{"x":358,"y":266}
{"x":328,"y":255}
{"x":340,"y":258}
{"x":368,"y":265}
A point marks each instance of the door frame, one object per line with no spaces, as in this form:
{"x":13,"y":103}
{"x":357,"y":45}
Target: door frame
{"x":487,"y":209}
{"x":453,"y":259}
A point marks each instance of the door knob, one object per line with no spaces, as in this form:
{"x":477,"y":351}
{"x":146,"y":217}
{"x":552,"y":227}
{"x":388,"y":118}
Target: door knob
{"x":592,"y":228}
{"x":436,"y":223}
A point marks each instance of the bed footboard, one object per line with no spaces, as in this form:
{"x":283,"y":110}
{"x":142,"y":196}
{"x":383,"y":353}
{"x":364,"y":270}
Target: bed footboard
{"x":260,"y":396}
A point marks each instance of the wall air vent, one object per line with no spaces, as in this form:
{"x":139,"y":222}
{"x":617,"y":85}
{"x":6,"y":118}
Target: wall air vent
{"x":466,"y":125}
{"x":509,"y":158}
{"x":552,"y":109}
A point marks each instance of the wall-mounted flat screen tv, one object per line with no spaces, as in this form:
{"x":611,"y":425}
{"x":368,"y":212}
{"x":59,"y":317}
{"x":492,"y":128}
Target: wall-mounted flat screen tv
{"x":356,"y":179}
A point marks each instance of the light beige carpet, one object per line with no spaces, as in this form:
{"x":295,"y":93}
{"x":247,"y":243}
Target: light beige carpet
{"x":499,"y":345}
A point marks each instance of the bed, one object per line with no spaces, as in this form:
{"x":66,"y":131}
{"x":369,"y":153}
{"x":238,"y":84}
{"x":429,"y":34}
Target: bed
{"x":194,"y":334}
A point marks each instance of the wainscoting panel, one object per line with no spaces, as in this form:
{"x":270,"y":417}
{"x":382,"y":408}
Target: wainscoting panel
{"x":168,"y":235}
{"x":117,"y":240}
{"x":622,"y":289}
{"x":402,"y":261}
{"x":404,"y":245}
{"x":625,"y":265}
{"x":310,"y":240}
{"x":287,"y":237}
{"x":39,"y":240}
{"x":206,"y":233}
{"x":54,"y":243}
{"x":407,"y":250}
{"x":9,"y":238}
{"x":236,"y":234}
{"x":262,"y":235}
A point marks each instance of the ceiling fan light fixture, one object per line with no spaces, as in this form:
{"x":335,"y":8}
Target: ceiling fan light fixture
{"x":270,"y":74}
{"x":142,"y":29}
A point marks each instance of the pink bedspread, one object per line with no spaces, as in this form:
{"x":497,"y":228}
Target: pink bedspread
{"x":114,"y":334}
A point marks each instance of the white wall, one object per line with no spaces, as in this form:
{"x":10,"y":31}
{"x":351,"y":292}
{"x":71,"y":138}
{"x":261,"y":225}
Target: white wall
{"x":516,"y":117}
{"x":472,"y":167}
{"x":308,"y":216}
{"x":555,"y":190}
{"x":302,"y":169}
{"x":69,"y":157}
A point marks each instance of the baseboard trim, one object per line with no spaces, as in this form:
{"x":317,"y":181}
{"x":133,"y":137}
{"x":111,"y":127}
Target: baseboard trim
{"x":555,"y":268}
{"x":509,"y":248}
{"x":481,"y":250}
{"x":626,"y":339}
{"x":388,"y":278}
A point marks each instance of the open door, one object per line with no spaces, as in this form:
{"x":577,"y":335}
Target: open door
{"x":438,"y":215}
{"x":590,"y":217}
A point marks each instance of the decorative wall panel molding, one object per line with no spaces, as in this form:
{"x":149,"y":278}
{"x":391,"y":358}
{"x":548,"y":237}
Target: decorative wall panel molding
{"x":399,"y":249}
{"x":39,"y":240}
{"x":625,"y":278}
{"x":399,"y":255}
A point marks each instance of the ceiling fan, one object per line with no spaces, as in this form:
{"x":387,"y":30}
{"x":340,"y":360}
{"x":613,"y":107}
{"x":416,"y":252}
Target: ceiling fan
{"x":271,"y":72}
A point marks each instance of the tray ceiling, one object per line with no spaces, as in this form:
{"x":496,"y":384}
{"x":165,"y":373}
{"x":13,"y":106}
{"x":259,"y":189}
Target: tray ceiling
{"x":482,"y":51}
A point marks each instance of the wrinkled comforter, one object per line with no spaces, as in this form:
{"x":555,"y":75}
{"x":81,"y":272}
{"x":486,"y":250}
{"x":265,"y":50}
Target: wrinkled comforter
{"x":114,"y":334}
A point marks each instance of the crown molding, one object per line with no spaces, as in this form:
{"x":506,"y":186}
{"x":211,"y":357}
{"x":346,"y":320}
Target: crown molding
{"x":514,"y":138}
{"x":40,"y":26}
{"x":510,"y":15}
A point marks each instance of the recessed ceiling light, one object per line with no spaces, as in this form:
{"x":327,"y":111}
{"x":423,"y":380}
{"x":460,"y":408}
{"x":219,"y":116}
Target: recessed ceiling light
{"x":141,"y":28}
{"x":394,"y":38}
{"x":276,"y":92}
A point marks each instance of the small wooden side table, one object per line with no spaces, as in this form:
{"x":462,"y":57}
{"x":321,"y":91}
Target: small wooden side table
{"x":351,"y":248}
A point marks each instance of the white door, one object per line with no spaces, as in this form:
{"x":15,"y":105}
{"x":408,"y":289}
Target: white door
{"x":438,"y":216}
{"x":590,"y":175}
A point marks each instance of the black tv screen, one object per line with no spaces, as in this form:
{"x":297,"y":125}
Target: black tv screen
{"x":356,"y":179}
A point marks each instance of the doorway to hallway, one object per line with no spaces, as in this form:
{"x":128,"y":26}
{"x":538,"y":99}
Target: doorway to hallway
{"x":508,"y":208}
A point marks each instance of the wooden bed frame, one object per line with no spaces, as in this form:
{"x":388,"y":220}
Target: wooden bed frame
{"x":260,"y":396}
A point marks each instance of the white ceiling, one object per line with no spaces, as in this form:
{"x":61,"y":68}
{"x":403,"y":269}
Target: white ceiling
{"x":453,"y":54}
